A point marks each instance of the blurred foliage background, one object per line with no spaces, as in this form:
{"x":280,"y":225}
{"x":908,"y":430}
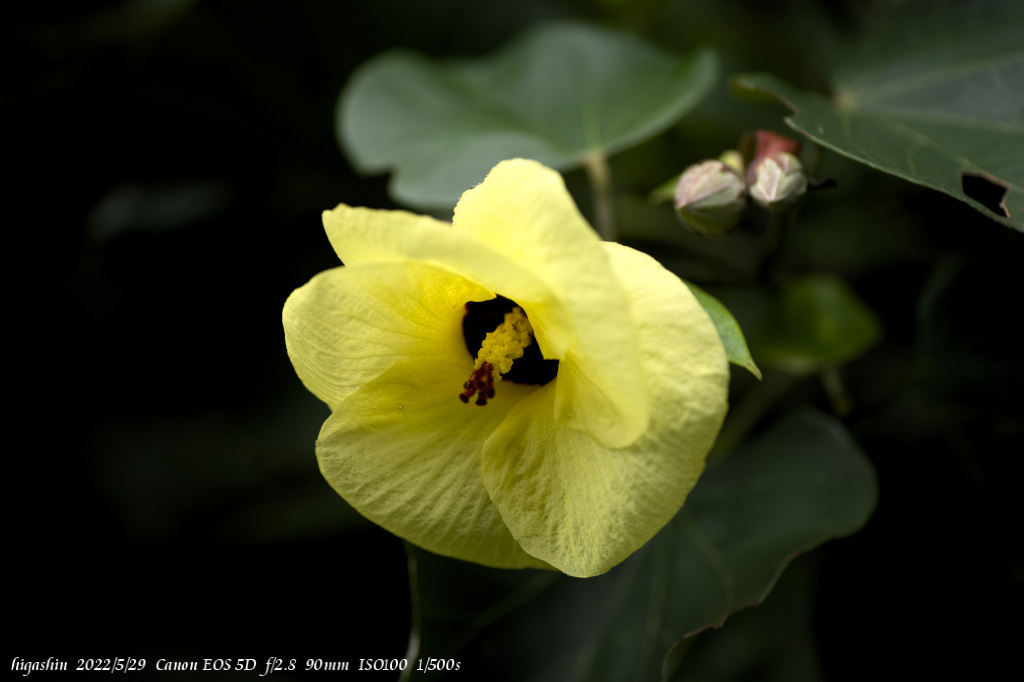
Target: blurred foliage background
{"x":172,"y":159}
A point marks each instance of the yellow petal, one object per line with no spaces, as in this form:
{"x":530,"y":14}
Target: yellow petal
{"x":523,"y":211}
{"x":406,"y":455}
{"x":582,"y":507}
{"x":348,"y":325}
{"x":365,"y":235}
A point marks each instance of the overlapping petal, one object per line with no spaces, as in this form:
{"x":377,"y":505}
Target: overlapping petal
{"x":407,"y":456}
{"x":583,"y":507}
{"x":348,"y":325}
{"x":523,"y":210}
{"x":364,"y":235}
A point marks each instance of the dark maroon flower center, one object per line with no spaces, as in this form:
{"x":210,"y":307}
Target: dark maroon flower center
{"x":483,"y":318}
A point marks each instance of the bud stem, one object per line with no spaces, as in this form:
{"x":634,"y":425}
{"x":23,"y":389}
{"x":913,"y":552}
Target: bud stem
{"x":776,"y":244}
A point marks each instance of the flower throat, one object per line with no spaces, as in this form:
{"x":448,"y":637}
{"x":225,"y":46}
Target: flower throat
{"x":499,"y":335}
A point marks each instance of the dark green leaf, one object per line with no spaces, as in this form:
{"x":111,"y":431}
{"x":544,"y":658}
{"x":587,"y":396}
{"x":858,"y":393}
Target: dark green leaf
{"x":556,"y":94}
{"x":817,"y":321}
{"x":936,"y":98}
{"x":800,"y":484}
{"x":775,"y":642}
{"x":728,"y":329}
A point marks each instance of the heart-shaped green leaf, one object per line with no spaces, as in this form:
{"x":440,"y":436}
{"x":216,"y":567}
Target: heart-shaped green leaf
{"x":556,"y":94}
{"x":936,"y":98}
{"x":801,"y":483}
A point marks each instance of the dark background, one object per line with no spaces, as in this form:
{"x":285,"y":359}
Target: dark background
{"x":168,"y":163}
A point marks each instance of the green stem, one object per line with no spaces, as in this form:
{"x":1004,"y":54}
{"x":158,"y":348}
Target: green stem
{"x":836,"y":392}
{"x":600,"y":176}
{"x":413,"y":650}
{"x":777,"y":243}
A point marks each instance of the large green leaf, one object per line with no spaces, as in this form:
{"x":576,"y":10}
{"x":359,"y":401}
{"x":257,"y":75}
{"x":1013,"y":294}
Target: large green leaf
{"x":556,"y":94}
{"x":936,"y":98}
{"x":798,"y":485}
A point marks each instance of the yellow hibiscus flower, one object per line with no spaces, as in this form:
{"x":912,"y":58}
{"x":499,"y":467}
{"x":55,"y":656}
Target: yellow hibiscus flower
{"x":507,"y":389}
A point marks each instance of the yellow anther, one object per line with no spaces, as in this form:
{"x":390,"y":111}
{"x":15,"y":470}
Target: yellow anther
{"x":506,"y":343}
{"x":499,"y":349}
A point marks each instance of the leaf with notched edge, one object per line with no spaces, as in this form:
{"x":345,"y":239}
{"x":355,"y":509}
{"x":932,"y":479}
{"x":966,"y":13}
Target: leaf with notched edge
{"x":937,"y":98}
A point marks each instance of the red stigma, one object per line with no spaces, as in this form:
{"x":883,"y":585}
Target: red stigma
{"x":481,"y":382}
